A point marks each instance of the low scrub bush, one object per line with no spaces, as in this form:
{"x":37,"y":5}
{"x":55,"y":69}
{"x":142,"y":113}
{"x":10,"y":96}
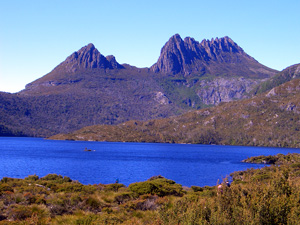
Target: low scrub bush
{"x":5,"y":187}
{"x":21,"y":212}
{"x":56,"y":178}
{"x":113,"y":187}
{"x":123,"y":197}
{"x":32,"y":178}
{"x":196,"y":188}
{"x":157,"y":186}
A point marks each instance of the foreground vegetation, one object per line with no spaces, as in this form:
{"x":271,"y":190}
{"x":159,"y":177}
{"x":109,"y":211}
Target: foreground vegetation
{"x":270,"y":195}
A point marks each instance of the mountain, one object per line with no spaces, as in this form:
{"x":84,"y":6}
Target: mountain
{"x":73,"y":70}
{"x":89,"y":88}
{"x":216,"y":57}
{"x":269,"y":119}
{"x":290,"y":73}
{"x":217,"y":71}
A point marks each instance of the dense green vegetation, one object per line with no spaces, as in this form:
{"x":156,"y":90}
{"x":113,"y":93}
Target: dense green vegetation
{"x":269,"y":195}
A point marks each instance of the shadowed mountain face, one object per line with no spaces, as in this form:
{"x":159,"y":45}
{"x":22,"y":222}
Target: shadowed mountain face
{"x":89,"y":88}
{"x":216,"y":57}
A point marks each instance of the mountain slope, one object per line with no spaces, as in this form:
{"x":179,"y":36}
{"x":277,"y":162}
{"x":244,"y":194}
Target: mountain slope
{"x":89,"y":88}
{"x":98,"y":99}
{"x":76,"y":68}
{"x":271,"y":119}
{"x":86,"y":89}
{"x":290,"y":73}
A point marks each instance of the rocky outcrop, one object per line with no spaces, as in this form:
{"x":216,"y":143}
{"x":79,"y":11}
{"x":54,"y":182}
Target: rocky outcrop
{"x":224,"y":90}
{"x":216,"y":57}
{"x":113,"y":64}
{"x":88,"y":57}
{"x":161,"y":98}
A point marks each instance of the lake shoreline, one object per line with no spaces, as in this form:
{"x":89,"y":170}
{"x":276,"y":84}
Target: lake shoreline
{"x":263,"y":196}
{"x":186,"y":164}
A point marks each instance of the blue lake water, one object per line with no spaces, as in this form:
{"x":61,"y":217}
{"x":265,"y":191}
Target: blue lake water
{"x":129,"y":162}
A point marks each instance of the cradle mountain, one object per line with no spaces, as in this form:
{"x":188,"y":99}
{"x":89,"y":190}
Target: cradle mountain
{"x":89,"y":88}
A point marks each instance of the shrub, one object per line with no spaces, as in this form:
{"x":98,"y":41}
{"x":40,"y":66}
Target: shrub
{"x":157,"y":186}
{"x":32,"y":178}
{"x":142,"y":188}
{"x":56,"y":178}
{"x":196,"y":188}
{"x":21,"y":212}
{"x":70,"y":187}
{"x":123,"y":197}
{"x":6,"y":179}
{"x":93,"y":203}
{"x":5,"y":187}
{"x":145,"y":204}
{"x":113,"y":187}
{"x":56,"y":210}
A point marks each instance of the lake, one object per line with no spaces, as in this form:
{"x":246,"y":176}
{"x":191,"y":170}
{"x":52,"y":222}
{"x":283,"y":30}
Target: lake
{"x":129,"y":162}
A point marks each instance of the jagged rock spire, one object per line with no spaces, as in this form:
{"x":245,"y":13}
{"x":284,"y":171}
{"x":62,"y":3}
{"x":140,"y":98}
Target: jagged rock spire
{"x":188,"y":56}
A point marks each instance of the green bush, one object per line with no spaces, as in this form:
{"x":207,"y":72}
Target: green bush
{"x":93,"y":203}
{"x":196,"y":188}
{"x":5,"y":187}
{"x":142,"y":188}
{"x":32,"y":178}
{"x":113,"y":187}
{"x":56,"y":178}
{"x":157,"y":186}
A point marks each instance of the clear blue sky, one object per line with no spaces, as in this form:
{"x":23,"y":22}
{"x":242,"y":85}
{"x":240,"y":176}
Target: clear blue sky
{"x":36,"y":35}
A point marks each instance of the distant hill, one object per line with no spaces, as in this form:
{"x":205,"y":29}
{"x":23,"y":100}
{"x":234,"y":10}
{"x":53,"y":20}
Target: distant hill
{"x":290,"y":73}
{"x":89,"y":88}
{"x":270,"y":119}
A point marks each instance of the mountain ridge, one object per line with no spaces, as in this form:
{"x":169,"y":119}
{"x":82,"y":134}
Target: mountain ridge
{"x":89,"y":57}
{"x":288,"y":74}
{"x":89,"y":88}
{"x":189,"y":56}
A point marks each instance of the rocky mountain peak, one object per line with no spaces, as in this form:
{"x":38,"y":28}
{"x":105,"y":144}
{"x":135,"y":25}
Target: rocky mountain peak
{"x":226,"y":44}
{"x":174,"y":44}
{"x":113,"y":62}
{"x":173,"y":56}
{"x":88,"y":57}
{"x":189,"y":56}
